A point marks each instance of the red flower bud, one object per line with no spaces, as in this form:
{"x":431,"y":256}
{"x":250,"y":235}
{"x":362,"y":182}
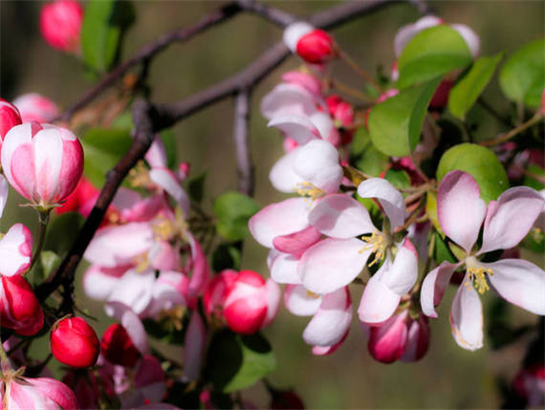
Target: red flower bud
{"x":216,"y":291}
{"x":60,"y":24}
{"x":74,"y":342}
{"x":20,"y":310}
{"x":118,"y":348}
{"x":316,"y":47}
{"x":9,"y":118}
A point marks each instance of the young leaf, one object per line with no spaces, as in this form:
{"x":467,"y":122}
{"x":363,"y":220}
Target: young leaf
{"x":235,"y":361}
{"x":233,"y":211}
{"x":521,"y":77}
{"x":365,"y":156}
{"x":395,"y":124}
{"x":464,"y":94}
{"x":103,"y":149}
{"x":103,"y":26}
{"x":433,"y":52}
{"x":481,"y":163}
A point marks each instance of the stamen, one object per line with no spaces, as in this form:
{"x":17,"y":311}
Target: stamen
{"x":163,"y":229}
{"x":477,"y":276}
{"x":312,"y":295}
{"x":309,"y":190}
{"x":139,"y":176}
{"x":377,"y":242}
{"x":173,"y":317}
{"x":142,"y":262}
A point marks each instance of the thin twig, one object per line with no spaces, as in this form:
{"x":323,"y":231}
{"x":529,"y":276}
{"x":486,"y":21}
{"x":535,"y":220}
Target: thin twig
{"x":514,"y":132}
{"x":245,"y":167}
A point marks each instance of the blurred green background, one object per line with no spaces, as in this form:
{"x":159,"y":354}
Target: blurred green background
{"x":448,"y":377}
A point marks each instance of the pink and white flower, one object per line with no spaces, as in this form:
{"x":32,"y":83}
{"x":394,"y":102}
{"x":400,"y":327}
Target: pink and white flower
{"x":506,"y":220}
{"x":15,"y":250}
{"x":9,"y":118}
{"x":43,"y":393}
{"x":312,"y":45}
{"x":36,"y":107}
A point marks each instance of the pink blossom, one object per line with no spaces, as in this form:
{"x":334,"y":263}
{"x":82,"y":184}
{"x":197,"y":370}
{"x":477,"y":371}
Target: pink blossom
{"x":60,"y":24}
{"x":9,"y":118}
{"x":35,"y":107}
{"x":23,"y":393}
{"x":312,"y":45}
{"x":507,"y":220}
{"x":15,"y":250}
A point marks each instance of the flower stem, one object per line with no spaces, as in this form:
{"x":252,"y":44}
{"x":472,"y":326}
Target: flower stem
{"x":360,"y":71}
{"x":4,"y":360}
{"x":515,"y":131}
{"x":43,"y":222}
{"x":346,"y":89}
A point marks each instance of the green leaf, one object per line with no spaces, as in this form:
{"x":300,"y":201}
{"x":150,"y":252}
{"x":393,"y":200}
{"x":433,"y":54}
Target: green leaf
{"x":103,"y":148}
{"x":521,"y":77}
{"x":235,"y":362}
{"x":441,"y":251}
{"x":479,"y":162}
{"x":398,"y":178}
{"x":433,"y":52}
{"x":169,"y":141}
{"x":61,"y":232}
{"x":233,"y":210}
{"x":365,"y":156}
{"x":47,"y":263}
{"x":464,"y":94}
{"x":103,"y":26}
{"x":395,"y":124}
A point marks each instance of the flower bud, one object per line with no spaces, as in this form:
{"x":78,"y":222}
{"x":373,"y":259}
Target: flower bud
{"x":35,"y":107}
{"x":216,"y":291}
{"x":60,"y":24}
{"x":9,"y":118}
{"x":118,"y":348}
{"x":387,"y":342}
{"x":312,"y":45}
{"x":20,"y":310}
{"x":42,"y":162}
{"x":42,"y":393}
{"x":74,"y":342}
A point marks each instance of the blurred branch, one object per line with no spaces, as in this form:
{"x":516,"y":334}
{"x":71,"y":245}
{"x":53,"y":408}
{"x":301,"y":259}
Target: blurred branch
{"x":149,"y":119}
{"x":245,"y":167}
{"x":275,"y":16}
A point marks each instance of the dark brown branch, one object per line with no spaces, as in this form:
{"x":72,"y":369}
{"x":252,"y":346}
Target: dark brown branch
{"x":245,"y":167}
{"x":276,"y":16}
{"x":143,"y":117}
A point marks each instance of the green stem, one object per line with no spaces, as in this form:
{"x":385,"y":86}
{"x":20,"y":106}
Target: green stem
{"x":515,"y":131}
{"x":4,"y":360}
{"x":43,"y":219}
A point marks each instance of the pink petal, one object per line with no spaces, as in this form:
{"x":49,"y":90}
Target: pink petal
{"x":15,"y":250}
{"x":132,"y":324}
{"x":194,"y":347}
{"x":274,"y":296}
{"x":282,"y":218}
{"x":156,"y":156}
{"x":283,"y":267}
{"x":341,"y":216}
{"x":434,"y":286}
{"x":99,"y":282}
{"x":56,"y":391}
{"x":286,"y":99}
{"x":387,"y":342}
{"x":317,"y":162}
{"x":48,"y":157}
{"x":330,"y":324}
{"x":300,"y":301}
{"x":199,"y":267}
{"x":332,"y":264}
{"x":466,"y":318}
{"x":460,"y":209}
{"x":327,"y":350}
{"x":296,"y":127}
{"x":298,"y":242}
{"x":167,"y":180}
{"x":4,"y":189}
{"x":402,"y":276}
{"x":390,"y":199}
{"x":418,"y":340}
{"x":510,"y":219}
{"x":520,"y":282}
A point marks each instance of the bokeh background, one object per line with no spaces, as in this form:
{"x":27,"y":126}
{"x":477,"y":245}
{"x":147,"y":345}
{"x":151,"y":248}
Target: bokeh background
{"x":448,"y":377}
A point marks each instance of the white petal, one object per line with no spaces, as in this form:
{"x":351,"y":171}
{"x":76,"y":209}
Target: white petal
{"x":283,"y":267}
{"x":434,"y":286}
{"x":466,"y":318}
{"x":167,"y":180}
{"x":4,"y":188}
{"x":288,"y":99}
{"x":471,"y":38}
{"x":132,"y":324}
{"x":15,"y":250}
{"x":390,"y":199}
{"x":300,"y":301}
{"x":317,"y":162}
{"x":296,"y":127}
{"x":294,"y":32}
{"x":134,"y":290}
{"x":283,"y":176}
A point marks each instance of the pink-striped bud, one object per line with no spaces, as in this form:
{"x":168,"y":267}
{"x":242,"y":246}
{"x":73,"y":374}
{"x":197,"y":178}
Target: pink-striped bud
{"x":42,"y":162}
{"x":9,"y":118}
{"x":20,"y":310}
{"x":216,"y":291}
{"x":60,"y":24}
{"x":42,"y":393}
{"x":250,"y":303}
{"x":36,"y":107}
{"x":118,"y":347}
{"x":312,"y":45}
{"x":74,"y":342}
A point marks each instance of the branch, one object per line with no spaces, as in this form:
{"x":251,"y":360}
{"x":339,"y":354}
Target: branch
{"x":275,"y":16}
{"x":245,"y":167}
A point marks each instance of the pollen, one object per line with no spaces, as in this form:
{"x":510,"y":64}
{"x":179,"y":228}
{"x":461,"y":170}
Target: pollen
{"x":141,"y":262}
{"x":309,"y":190}
{"x":476,"y":275}
{"x":377,"y":243}
{"x":173,"y":317}
{"x":312,"y":295}
{"x":139,"y":176}
{"x":163,"y":229}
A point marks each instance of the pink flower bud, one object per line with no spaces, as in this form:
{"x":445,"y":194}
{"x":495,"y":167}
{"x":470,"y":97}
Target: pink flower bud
{"x":9,"y":118}
{"x":245,"y":307}
{"x":418,"y":339}
{"x":312,"y":45}
{"x":42,"y":393}
{"x":60,"y":24}
{"x":387,"y":342}
{"x":82,"y":199}
{"x":118,"y":348}
{"x":42,"y":162}
{"x":20,"y":310}
{"x":216,"y":291}
{"x":74,"y":342}
{"x":35,"y":107}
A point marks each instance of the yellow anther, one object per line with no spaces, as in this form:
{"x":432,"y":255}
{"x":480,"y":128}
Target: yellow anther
{"x":312,"y":295}
{"x":377,"y":243}
{"x":309,"y":190}
{"x":141,"y":262}
{"x":163,"y":228}
{"x":139,"y":176}
{"x":173,"y":318}
{"x":477,"y":276}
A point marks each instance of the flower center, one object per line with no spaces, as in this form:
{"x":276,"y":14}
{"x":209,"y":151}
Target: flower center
{"x":312,"y":295}
{"x":139,"y":176}
{"x":173,"y":318}
{"x":477,"y":275}
{"x":309,"y":190}
{"x":163,"y":228}
{"x":378,"y":243}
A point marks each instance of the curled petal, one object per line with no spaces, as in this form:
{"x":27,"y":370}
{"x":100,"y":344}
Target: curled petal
{"x":274,"y":296}
{"x":194,"y":347}
{"x":15,"y":250}
{"x":332,"y":264}
{"x":318,"y":163}
{"x":390,"y":199}
{"x":330,"y":324}
{"x":283,"y":176}
{"x":157,"y":155}
{"x":286,"y":99}
{"x":505,"y":225}
{"x":471,"y":38}
{"x":283,"y":267}
{"x":341,"y":216}
{"x":294,"y":32}
{"x":434,"y":286}
{"x":167,"y":180}
{"x":300,"y":301}
{"x":387,"y":342}
{"x":296,"y":127}
{"x":200,"y":268}
{"x":460,"y":208}
{"x":520,"y":282}
{"x":466,"y":318}
{"x":4,"y":188}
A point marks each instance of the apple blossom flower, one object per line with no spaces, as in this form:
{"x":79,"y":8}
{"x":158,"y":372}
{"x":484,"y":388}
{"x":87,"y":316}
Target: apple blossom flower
{"x":35,"y":107}
{"x":313,"y":45}
{"x":216,"y":291}
{"x":331,"y":316}
{"x":507,"y":220}
{"x":60,"y":24}
{"x":20,"y":310}
{"x":9,"y":118}
{"x":42,"y":162}
{"x":74,"y":342}
{"x":41,"y":393}
{"x":15,"y":250}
